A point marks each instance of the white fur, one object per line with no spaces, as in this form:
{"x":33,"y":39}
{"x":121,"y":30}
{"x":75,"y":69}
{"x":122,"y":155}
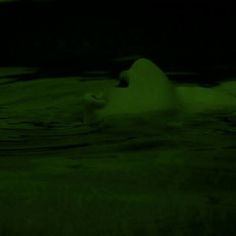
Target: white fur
{"x":150,"y":91}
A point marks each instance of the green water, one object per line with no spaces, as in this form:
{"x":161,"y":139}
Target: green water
{"x":61,"y":177}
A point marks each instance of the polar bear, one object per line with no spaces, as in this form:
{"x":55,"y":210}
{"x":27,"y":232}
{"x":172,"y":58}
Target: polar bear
{"x":144,"y":88}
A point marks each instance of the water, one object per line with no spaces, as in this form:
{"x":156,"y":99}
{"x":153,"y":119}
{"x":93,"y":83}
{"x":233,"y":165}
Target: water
{"x":55,"y":170}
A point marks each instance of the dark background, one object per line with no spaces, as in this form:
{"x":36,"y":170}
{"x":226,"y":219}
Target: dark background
{"x":176,"y":36}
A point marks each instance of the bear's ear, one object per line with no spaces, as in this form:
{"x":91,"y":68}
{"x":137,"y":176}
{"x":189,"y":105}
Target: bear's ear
{"x":123,"y":80}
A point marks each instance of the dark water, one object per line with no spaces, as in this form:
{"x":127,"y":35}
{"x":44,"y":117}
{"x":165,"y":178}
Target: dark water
{"x":137,"y":178}
{"x":197,"y":132}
